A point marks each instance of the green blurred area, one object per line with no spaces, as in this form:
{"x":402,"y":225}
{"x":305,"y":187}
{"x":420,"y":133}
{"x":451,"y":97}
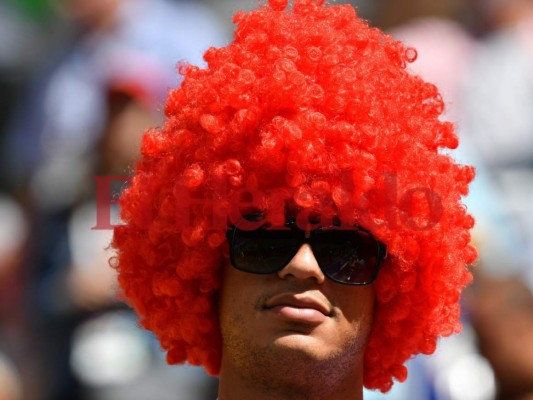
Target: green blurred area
{"x":36,"y":9}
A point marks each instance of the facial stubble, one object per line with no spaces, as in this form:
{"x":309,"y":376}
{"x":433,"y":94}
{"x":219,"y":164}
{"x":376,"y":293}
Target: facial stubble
{"x":293,"y":372}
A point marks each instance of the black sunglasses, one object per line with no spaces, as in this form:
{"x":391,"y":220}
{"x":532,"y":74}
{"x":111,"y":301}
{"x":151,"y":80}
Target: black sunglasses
{"x":347,"y":256}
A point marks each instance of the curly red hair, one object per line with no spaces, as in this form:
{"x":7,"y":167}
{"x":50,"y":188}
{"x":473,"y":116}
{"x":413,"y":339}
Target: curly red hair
{"x":313,"y":101}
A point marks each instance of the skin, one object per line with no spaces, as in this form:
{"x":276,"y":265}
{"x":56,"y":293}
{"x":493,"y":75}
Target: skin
{"x":91,"y":15}
{"x":274,"y":347}
{"x":120,"y":146}
{"x":502,"y":315}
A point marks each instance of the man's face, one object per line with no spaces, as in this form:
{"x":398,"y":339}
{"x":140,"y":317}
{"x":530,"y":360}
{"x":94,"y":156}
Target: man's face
{"x":296,"y":319}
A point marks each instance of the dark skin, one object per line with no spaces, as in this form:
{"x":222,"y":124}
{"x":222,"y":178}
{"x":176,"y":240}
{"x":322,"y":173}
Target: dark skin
{"x":502,"y":314}
{"x":91,"y":15}
{"x":294,"y":334}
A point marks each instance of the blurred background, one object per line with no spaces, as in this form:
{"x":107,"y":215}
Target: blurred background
{"x":80,"y":80}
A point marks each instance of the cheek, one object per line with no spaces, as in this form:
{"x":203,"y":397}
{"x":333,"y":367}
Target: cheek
{"x":235,"y":300}
{"x":226,"y":300}
{"x":357,"y":307}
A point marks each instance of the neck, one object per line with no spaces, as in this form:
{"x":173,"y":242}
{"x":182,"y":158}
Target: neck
{"x":313,"y":386}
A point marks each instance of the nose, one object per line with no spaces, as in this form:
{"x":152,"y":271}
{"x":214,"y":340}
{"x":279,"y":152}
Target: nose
{"x":303,"y":266}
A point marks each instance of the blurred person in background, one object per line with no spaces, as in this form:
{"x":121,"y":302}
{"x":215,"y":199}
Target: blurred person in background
{"x":10,"y":382}
{"x":502,"y":313}
{"x":498,"y":101}
{"x":82,"y":116}
{"x":66,"y":103}
{"x":22,"y":39}
{"x":13,"y":241}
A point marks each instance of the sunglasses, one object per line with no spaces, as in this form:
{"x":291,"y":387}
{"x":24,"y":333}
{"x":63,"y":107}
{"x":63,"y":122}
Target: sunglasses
{"x":347,"y":256}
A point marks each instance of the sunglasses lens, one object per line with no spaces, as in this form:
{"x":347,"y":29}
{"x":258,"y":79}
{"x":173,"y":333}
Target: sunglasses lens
{"x":347,"y":256}
{"x":263,"y":251}
{"x":350,"y":257}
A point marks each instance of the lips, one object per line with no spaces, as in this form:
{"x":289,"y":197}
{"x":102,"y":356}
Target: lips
{"x":299,"y":307}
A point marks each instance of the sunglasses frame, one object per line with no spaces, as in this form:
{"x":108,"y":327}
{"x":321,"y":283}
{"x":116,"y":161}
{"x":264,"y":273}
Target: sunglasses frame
{"x":381,"y":250}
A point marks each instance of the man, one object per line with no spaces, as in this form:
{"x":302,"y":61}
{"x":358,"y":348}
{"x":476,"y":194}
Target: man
{"x":294,"y":227}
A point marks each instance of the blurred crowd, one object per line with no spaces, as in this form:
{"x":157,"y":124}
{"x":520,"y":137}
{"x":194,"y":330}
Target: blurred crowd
{"x":80,"y":80}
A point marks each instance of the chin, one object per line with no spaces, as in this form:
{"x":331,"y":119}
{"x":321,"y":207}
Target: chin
{"x":302,"y":344}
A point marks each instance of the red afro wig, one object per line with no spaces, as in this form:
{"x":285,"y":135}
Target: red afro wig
{"x":310,"y":102}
